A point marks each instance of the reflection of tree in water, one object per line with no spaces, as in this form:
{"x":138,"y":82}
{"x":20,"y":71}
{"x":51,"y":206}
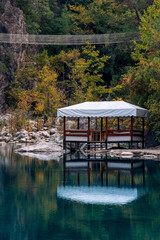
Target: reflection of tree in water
{"x":30,"y":209}
{"x":28,"y":190}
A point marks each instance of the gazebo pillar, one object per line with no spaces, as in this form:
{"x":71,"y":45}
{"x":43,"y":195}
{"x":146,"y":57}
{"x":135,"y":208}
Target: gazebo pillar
{"x":131,"y":131}
{"x":101,"y":135}
{"x":64,"y":132}
{"x":142,"y":132}
{"x":96,"y":124}
{"x":106,"y":130}
{"x":88,"y":132}
{"x":118,"y":129}
{"x":78,"y":123}
{"x":78,"y":129}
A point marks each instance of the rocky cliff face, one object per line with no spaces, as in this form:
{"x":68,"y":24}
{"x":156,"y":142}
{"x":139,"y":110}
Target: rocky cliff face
{"x":11,"y":55}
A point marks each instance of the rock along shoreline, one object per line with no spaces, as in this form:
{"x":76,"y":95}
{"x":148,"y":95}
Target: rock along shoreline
{"x":153,"y":154}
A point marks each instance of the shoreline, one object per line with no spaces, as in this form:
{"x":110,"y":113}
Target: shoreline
{"x":148,"y":153}
{"x":42,"y":148}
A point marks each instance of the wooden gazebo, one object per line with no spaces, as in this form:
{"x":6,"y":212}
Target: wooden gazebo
{"x":103,"y":111}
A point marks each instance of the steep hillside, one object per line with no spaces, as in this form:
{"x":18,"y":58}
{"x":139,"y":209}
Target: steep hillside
{"x":11,"y":56}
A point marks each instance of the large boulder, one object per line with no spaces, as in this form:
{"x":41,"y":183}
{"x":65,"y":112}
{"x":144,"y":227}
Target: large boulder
{"x":42,"y":147}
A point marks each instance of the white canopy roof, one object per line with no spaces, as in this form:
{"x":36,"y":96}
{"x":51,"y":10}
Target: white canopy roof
{"x":99,"y":195}
{"x":102,"y":109}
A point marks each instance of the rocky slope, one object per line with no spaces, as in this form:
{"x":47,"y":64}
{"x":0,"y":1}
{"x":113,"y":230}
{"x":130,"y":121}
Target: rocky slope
{"x":11,"y":21}
{"x":33,"y":136}
{"x":11,"y":55}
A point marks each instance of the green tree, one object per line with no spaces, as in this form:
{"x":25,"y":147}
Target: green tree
{"x":102,"y":16}
{"x":46,"y":17}
{"x":31,"y":15}
{"x":80,"y":73}
{"x":143,"y":80}
{"x":87,"y":75}
{"x":49,"y":98}
{"x":34,"y":90}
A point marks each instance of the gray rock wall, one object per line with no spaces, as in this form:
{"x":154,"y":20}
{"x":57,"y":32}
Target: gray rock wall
{"x":11,"y":55}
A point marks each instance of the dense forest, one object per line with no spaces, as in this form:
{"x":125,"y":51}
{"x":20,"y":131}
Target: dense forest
{"x":61,"y":75}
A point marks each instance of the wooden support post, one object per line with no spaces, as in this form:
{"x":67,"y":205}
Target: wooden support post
{"x":101,"y":124}
{"x":142,"y":132}
{"x":78,"y":123}
{"x":95,"y":134}
{"x":106,"y":131}
{"x":101,"y":134}
{"x":88,"y":132}
{"x":78,"y":128}
{"x":132,"y":132}
{"x":118,"y":129}
{"x":64,"y":133}
{"x":96,"y":124}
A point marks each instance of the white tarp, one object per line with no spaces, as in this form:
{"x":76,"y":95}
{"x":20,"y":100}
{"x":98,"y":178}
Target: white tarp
{"x":98,"y":195}
{"x":102,"y":109}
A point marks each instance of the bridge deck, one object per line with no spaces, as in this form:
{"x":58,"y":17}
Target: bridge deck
{"x":69,"y":39}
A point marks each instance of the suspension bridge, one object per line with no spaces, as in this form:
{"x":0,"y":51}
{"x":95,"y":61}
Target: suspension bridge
{"x":106,"y":39}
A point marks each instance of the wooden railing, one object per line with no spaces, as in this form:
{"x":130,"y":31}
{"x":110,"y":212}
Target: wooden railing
{"x":124,"y":132}
{"x":78,"y":133}
{"x":101,"y":135}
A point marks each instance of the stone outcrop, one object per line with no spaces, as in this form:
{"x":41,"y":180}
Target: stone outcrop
{"x":33,"y":133}
{"x":11,"y":55}
{"x":24,"y":136}
{"x":11,"y":21}
{"x":42,"y":147}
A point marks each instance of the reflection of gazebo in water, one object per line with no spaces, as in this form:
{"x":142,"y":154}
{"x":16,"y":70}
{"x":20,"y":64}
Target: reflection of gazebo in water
{"x":103,"y":111}
{"x":103,"y":192}
{"x":105,"y":166}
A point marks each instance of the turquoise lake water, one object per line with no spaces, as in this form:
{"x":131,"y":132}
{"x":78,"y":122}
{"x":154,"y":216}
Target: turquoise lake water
{"x":44,"y":200}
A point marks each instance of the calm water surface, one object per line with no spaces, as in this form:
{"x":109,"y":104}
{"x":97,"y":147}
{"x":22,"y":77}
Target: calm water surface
{"x":34,"y":204}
